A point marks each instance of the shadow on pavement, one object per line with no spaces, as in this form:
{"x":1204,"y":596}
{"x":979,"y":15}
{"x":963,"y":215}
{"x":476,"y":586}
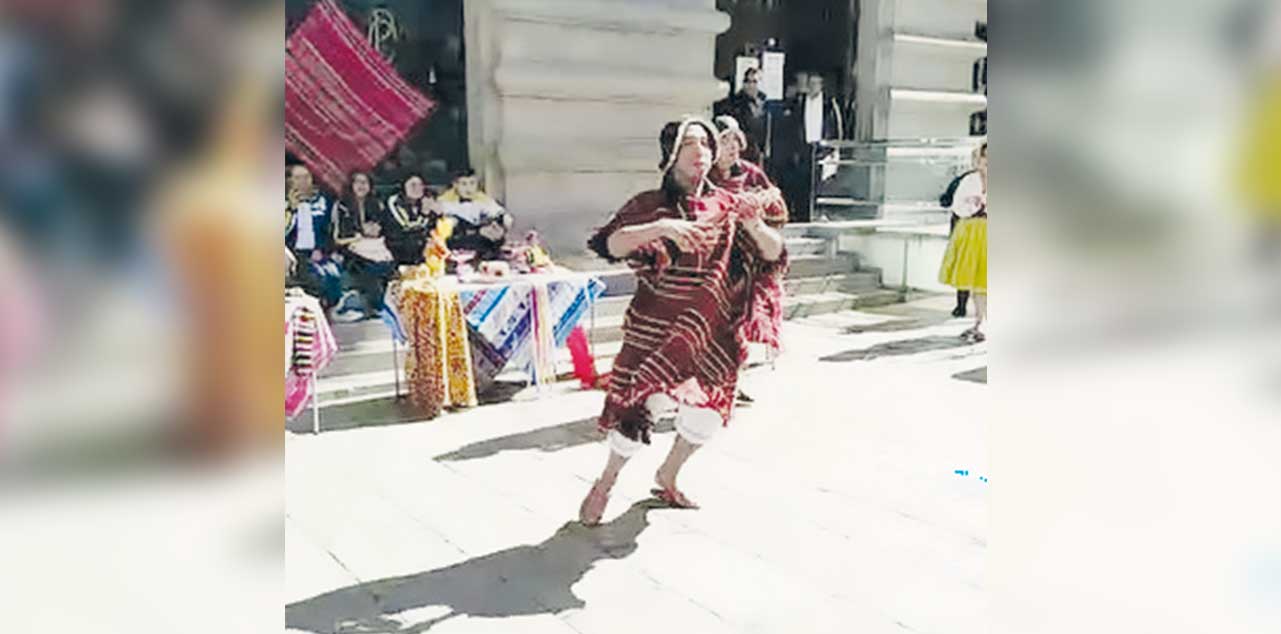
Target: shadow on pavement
{"x":899,"y":325}
{"x":388,"y":411}
{"x":378,"y":413}
{"x":520,"y":581}
{"x":899,"y":348}
{"x":977,"y":375}
{"x":555,"y":438}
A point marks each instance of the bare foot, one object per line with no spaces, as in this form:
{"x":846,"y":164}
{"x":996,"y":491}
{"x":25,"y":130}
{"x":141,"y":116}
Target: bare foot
{"x":593,"y":506}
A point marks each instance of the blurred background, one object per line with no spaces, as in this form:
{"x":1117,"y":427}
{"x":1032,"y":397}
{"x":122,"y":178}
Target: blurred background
{"x":1137,"y":363}
{"x":140,"y":156}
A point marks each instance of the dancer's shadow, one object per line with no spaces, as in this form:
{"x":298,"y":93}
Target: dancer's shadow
{"x":901,"y":347}
{"x":519,"y":581}
{"x":554,"y":438}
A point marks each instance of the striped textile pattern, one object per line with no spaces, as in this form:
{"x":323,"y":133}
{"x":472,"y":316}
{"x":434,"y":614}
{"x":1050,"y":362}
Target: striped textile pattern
{"x":765,"y":324}
{"x":503,"y":321}
{"x":682,"y":334}
{"x":509,"y":320}
{"x":309,"y":347}
{"x":345,"y":106}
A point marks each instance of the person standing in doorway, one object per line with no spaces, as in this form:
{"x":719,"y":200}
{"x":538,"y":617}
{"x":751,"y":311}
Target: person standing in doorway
{"x":812,"y":116}
{"x":747,"y":107}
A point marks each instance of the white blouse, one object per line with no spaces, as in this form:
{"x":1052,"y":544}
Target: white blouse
{"x":969,"y":198}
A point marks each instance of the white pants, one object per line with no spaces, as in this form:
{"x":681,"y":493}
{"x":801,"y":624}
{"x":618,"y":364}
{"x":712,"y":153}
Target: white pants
{"x":696,"y":425}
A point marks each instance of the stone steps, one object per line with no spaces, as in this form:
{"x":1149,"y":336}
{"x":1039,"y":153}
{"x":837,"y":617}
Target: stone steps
{"x":818,"y":265}
{"x":823,"y":303}
{"x":855,"y":282}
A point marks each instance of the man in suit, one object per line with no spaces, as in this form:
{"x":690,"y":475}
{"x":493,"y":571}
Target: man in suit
{"x":811,"y":116}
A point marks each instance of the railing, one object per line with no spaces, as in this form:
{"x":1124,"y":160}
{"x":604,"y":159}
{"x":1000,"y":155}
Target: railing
{"x":899,"y":180}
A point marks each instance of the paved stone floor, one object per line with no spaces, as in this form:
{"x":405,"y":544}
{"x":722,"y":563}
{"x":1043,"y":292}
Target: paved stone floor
{"x":833,"y":504}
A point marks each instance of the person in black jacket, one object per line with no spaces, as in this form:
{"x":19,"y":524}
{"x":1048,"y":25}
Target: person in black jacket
{"x":359,"y":220}
{"x":747,"y":106}
{"x":414,"y":212}
{"x":808,"y":118}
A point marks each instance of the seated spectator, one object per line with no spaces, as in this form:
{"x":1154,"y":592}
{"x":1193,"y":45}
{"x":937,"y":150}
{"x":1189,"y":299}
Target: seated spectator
{"x":307,"y":236}
{"x":414,"y":212}
{"x":358,"y":220}
{"x":482,"y":222}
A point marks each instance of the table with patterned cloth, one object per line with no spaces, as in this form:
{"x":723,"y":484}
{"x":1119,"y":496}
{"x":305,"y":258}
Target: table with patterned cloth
{"x":510,"y":324}
{"x":309,"y":347}
{"x":438,"y":366}
{"x":517,"y":323}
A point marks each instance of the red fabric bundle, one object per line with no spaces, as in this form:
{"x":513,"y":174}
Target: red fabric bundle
{"x":584,"y":363}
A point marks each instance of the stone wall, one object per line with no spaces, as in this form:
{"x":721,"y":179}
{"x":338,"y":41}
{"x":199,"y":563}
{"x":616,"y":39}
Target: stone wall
{"x":566,"y":97}
{"x":914,"y":68}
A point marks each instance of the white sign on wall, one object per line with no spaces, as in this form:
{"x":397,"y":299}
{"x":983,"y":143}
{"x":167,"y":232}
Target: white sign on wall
{"x":772,"y":74}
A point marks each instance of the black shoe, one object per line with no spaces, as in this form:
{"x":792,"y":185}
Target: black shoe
{"x":744,"y":398}
{"x":959,"y":311}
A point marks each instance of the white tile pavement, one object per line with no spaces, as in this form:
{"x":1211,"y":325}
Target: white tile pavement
{"x":829,"y":506}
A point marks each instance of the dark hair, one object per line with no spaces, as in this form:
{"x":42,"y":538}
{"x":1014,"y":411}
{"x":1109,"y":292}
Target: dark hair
{"x":669,"y":145}
{"x":348,"y":197}
{"x":463,"y":173}
{"x":751,"y":71}
{"x":667,"y":141}
{"x":427,"y":191}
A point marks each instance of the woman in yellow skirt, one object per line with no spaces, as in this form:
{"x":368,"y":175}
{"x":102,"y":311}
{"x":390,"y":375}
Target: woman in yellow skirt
{"x":965,"y":262}
{"x":1259,"y":166}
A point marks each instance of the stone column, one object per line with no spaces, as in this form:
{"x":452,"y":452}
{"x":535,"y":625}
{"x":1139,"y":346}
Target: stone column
{"x":565,"y":99}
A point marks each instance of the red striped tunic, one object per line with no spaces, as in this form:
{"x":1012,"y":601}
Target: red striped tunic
{"x":765,"y":324}
{"x":684,"y":326}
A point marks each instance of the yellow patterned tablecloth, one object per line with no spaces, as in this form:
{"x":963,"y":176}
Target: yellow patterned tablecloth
{"x":438,"y":367}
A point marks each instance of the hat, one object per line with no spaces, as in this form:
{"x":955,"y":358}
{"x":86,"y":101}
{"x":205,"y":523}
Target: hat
{"x":674,"y":131}
{"x":725,"y":123}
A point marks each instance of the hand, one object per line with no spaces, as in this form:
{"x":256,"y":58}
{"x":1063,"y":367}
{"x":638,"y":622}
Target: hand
{"x":317,"y":257}
{"x":688,"y":236}
{"x":492,"y":231}
{"x":294,"y":197}
{"x":749,"y":207}
{"x":753,"y":224}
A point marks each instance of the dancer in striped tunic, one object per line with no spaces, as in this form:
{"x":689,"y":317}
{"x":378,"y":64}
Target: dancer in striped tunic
{"x":765,"y":324}
{"x":698,"y":252}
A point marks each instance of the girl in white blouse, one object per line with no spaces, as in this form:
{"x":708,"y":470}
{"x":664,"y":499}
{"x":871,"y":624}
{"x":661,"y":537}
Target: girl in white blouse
{"x":965,"y":262}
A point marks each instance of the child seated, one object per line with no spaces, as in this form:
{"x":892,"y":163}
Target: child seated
{"x":482,"y":223}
